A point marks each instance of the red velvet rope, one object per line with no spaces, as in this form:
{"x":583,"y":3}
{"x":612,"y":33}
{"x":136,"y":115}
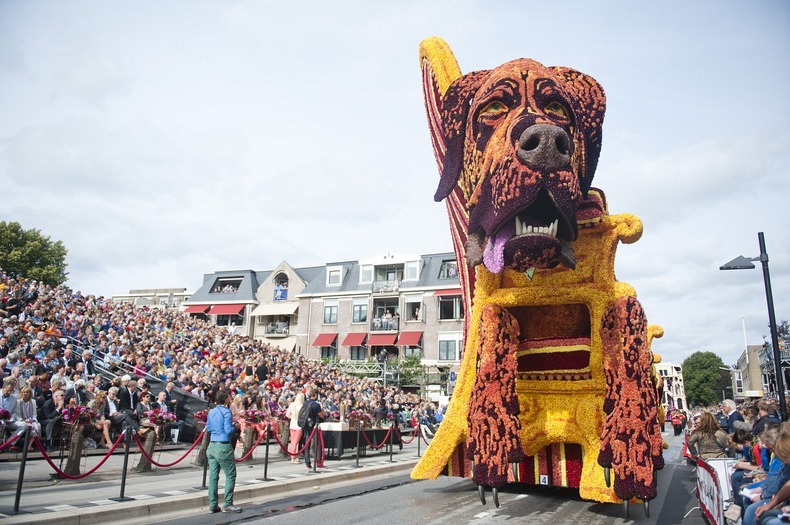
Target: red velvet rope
{"x":80,"y":476}
{"x":323,"y":456}
{"x":179,"y":460}
{"x":298,"y":452}
{"x":413,"y":436}
{"x":12,"y":439}
{"x":383,"y":442}
{"x":260,"y":438}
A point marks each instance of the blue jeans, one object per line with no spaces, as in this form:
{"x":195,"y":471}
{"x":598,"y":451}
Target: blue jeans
{"x":220,"y":456}
{"x":748,"y":517}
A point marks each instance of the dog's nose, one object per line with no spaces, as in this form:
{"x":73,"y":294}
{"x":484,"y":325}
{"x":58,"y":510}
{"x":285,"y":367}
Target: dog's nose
{"x":544,"y":147}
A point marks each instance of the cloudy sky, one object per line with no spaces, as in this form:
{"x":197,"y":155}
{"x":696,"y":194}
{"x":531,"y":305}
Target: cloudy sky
{"x":164,"y":140}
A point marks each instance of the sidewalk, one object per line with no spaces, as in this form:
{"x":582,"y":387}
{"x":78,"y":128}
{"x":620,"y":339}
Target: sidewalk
{"x":174,"y":491}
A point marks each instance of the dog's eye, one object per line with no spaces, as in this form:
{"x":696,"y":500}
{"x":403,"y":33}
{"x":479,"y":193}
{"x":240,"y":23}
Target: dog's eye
{"x":557,"y":109}
{"x":493,"y":109}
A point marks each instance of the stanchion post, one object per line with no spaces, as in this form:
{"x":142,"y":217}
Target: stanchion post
{"x":418,"y":433}
{"x":266,"y":456}
{"x":127,"y":439}
{"x":392,"y":432}
{"x":205,"y":464}
{"x":359,"y":430}
{"x":22,"y":470}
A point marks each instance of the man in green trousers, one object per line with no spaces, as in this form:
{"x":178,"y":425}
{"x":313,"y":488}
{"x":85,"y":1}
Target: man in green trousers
{"x":220,"y":454}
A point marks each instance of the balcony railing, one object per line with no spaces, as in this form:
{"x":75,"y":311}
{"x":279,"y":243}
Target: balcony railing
{"x":386,"y":286}
{"x":278,"y":328}
{"x":384,"y":325}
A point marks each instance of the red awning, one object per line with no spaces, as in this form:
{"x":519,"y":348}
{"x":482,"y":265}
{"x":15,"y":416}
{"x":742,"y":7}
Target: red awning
{"x":226,"y":309}
{"x":454,"y":291}
{"x":325,"y":340}
{"x":354,"y":339}
{"x":409,"y":338}
{"x":382,"y":339}
{"x":197,"y":309}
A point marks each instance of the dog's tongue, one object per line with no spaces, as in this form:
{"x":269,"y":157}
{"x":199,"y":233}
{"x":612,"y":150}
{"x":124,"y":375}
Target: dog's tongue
{"x":494,"y":254}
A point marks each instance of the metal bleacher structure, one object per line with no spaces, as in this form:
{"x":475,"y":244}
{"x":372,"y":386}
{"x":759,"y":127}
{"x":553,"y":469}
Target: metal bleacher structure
{"x":187,"y":404}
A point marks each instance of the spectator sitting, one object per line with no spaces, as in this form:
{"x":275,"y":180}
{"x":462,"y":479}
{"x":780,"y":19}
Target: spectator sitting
{"x":708,"y":440}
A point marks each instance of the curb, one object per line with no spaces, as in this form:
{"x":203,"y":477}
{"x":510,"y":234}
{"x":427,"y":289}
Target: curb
{"x":170,"y":507}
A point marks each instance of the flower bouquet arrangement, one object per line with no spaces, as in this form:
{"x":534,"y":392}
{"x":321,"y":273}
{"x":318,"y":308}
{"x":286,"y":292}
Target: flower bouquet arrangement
{"x":79,"y":415}
{"x":5,"y":415}
{"x":357,"y":416}
{"x":253,"y":415}
{"x":200,"y":416}
{"x":334,"y":415}
{"x":160,"y":417}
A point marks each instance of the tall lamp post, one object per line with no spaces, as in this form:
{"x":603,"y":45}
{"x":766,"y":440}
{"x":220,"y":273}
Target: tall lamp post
{"x":745,"y":263}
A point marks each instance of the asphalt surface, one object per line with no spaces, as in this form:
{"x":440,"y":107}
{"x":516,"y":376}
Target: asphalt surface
{"x":341,"y":493}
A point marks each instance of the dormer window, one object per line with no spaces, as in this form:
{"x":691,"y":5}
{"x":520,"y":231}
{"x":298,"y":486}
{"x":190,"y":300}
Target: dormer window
{"x":226,"y":285}
{"x":449,"y":270}
{"x":334,"y":276}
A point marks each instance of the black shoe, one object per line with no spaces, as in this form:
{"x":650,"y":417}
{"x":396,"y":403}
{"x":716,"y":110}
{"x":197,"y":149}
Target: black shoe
{"x":308,"y":465}
{"x":213,"y":509}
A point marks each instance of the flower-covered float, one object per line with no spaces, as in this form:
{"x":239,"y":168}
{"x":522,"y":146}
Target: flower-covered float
{"x":557,"y":385}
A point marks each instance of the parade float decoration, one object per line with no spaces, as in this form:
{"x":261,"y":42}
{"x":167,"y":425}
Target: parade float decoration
{"x":556,"y":385}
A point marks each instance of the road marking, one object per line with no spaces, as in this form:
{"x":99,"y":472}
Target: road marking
{"x":57,"y":508}
{"x":143,"y":496}
{"x":174,"y":492}
{"x":103,"y":502}
{"x":480,"y":515}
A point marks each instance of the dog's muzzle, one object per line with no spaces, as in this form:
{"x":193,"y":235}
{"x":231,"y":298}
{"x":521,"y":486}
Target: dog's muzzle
{"x":545,"y":147}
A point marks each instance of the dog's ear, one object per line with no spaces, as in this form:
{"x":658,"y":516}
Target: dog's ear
{"x":589,"y":105}
{"x":455,"y":112}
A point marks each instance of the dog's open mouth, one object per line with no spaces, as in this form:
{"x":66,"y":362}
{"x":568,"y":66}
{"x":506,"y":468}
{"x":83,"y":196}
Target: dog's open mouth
{"x":537,"y":236}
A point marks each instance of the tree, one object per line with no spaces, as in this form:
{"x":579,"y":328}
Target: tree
{"x":28,"y":254}
{"x":703,"y":378}
{"x":410,"y":369}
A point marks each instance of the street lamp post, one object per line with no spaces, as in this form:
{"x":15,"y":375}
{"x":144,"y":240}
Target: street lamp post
{"x":745,"y":263}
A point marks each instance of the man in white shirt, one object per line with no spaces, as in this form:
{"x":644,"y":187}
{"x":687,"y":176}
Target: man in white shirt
{"x":8,"y":402}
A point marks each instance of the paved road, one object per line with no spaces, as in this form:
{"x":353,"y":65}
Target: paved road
{"x":341,"y":494}
{"x":454,"y":501}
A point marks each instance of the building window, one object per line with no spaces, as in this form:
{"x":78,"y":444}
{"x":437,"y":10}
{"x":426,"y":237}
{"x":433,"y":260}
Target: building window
{"x":328,"y":352}
{"x":358,"y":353}
{"x":449,"y":270}
{"x":412,"y":271}
{"x":447,"y":351}
{"x":412,"y":350}
{"x":226,"y":285}
{"x":366,"y":273}
{"x":413,"y":305}
{"x":333,"y":277}
{"x":330,"y":312}
{"x":739,"y":382}
{"x":359,"y":311}
{"x":281,"y":287}
{"x":450,"y":308}
{"x":230,"y":320}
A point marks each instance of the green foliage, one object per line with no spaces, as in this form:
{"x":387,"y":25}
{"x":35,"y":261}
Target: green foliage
{"x":411,"y":369}
{"x":28,"y":254}
{"x":704,"y":380}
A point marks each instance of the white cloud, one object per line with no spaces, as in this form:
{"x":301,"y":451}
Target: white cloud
{"x":161,"y":141}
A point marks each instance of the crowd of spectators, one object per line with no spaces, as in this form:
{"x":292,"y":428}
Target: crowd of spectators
{"x":52,"y":337}
{"x":752,"y":434}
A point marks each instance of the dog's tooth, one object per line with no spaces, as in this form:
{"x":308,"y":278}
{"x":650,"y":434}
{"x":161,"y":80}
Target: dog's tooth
{"x":529,"y":229}
{"x":553,"y":228}
{"x":519,"y":227}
